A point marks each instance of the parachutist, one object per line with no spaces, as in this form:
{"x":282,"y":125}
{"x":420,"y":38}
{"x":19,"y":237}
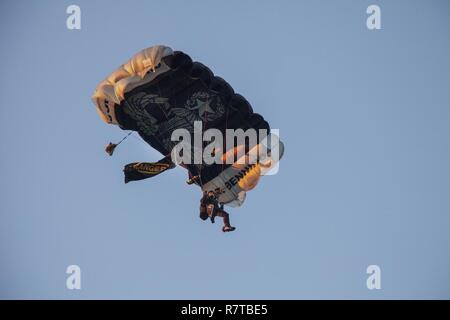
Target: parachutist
{"x":210,"y":208}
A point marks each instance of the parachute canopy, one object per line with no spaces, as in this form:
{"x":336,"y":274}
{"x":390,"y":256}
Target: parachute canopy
{"x":160,"y":90}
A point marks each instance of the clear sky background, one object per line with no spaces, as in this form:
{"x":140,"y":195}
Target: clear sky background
{"x":365,"y":178}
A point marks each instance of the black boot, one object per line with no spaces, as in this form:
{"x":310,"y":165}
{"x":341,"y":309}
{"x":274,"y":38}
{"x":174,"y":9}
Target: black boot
{"x":228,"y":228}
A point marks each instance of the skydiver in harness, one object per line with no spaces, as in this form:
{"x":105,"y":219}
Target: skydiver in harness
{"x":210,"y":208}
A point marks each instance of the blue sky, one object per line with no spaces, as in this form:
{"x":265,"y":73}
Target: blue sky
{"x":365,"y":177}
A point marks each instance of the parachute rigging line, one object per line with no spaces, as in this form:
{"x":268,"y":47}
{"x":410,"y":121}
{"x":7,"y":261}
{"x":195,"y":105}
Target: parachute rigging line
{"x":111,"y":146}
